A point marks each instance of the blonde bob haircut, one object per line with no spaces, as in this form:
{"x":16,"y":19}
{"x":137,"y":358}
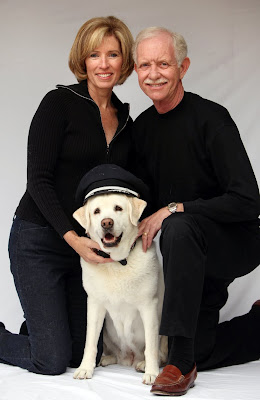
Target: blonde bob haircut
{"x":90,"y":36}
{"x":178,"y":41}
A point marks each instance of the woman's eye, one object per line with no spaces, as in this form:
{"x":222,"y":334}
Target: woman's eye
{"x":118,"y":208}
{"x":113,"y":55}
{"x":93,"y":55}
{"x":97,"y":211}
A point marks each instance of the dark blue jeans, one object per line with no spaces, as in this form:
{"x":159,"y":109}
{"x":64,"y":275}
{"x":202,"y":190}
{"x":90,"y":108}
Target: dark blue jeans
{"x":47,"y":276}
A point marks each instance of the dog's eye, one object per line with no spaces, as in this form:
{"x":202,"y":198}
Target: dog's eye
{"x":118,"y":208}
{"x":97,"y":211}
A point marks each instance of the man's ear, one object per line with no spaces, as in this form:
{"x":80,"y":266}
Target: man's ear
{"x":135,"y":67}
{"x":136,"y":208}
{"x":184,"y":67}
{"x":82,"y":216}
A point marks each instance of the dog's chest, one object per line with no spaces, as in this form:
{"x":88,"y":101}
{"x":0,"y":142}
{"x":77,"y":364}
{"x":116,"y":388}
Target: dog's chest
{"x":114,"y":292}
{"x":124,"y":325}
{"x":113,"y":285}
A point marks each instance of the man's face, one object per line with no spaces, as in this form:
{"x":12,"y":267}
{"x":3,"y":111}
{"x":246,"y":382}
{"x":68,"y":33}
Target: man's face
{"x":158,"y":73}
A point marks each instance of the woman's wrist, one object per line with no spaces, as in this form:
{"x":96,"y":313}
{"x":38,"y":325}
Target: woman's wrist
{"x":71,"y":237}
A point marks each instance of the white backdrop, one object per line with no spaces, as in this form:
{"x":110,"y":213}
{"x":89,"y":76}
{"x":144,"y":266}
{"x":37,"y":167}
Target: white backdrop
{"x":35,"y":39}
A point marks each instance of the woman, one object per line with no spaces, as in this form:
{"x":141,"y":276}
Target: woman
{"x":74,"y":129}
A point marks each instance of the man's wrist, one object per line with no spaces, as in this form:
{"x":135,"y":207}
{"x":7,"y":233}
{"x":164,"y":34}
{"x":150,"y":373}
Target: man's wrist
{"x":180,"y":207}
{"x":175,"y":207}
{"x":172,"y":207}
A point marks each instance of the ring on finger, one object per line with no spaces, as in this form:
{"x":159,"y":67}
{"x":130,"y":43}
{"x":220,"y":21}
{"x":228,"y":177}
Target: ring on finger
{"x":145,"y":233}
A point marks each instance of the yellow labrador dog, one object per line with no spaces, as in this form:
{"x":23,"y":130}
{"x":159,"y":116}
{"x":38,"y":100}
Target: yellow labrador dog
{"x":129,"y":297}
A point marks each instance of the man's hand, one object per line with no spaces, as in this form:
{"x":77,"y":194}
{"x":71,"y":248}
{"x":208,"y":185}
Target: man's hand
{"x":150,"y":226}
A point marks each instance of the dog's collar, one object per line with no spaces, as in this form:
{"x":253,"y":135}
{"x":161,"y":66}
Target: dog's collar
{"x":124,"y":262}
{"x":105,"y":255}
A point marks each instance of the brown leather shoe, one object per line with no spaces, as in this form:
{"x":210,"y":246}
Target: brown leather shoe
{"x":256,"y":303}
{"x":171,"y":382}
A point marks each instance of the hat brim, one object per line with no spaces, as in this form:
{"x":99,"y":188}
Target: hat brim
{"x":110,"y":189}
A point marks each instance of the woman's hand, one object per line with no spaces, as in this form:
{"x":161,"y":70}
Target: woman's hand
{"x":85,"y":247}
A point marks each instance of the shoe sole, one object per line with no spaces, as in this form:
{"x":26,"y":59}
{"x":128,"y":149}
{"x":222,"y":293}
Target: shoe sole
{"x":162,"y":393}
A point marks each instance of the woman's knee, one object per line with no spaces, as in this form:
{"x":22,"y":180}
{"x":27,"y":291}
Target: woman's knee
{"x":54,"y":363}
{"x":51,"y":353}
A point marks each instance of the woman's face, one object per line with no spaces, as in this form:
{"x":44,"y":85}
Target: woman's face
{"x":104,"y":64}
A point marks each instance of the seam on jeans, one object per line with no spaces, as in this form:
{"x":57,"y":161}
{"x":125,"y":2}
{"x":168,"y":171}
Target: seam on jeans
{"x":17,"y":246}
{"x":16,"y":234}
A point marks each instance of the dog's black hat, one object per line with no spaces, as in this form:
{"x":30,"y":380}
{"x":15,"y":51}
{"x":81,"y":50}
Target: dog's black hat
{"x":110,"y":178}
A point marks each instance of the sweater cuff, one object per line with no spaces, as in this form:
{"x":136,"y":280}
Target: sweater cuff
{"x":191,"y":207}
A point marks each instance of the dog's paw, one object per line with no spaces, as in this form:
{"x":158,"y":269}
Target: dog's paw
{"x":148,"y":379}
{"x":140,"y":366}
{"x":82,"y":373}
{"x":108,"y":360}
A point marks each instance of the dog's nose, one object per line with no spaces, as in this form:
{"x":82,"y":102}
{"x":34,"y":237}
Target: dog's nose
{"x":107,"y":223}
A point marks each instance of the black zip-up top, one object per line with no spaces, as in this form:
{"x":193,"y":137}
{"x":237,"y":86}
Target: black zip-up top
{"x":66,"y":139}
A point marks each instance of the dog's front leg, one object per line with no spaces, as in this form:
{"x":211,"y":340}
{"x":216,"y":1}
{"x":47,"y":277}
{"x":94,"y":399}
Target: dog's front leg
{"x":149,"y":317}
{"x":95,"y":319}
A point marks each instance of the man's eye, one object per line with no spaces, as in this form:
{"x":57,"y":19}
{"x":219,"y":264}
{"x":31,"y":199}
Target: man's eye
{"x":118,"y":208}
{"x":164,"y":64}
{"x":144,"y":66}
{"x":97,"y":211}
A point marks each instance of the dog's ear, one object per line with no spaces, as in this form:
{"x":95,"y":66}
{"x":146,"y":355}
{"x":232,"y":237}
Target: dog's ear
{"x":82,"y":216}
{"x":136,"y":208}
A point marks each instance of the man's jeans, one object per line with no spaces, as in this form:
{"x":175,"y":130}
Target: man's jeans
{"x":47,"y":276}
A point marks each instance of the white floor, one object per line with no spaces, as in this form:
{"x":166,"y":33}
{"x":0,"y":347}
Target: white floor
{"x":240,"y":382}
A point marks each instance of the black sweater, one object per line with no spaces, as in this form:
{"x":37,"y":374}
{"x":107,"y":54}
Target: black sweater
{"x":66,"y":140}
{"x":193,"y":154}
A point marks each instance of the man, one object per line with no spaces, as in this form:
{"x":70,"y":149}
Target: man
{"x":207,"y":201}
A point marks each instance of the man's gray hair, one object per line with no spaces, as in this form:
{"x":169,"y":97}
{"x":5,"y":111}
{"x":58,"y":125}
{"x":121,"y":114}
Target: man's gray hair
{"x":179,"y":43}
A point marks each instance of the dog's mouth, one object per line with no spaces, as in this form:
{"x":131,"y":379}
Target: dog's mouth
{"x":110,"y":240}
